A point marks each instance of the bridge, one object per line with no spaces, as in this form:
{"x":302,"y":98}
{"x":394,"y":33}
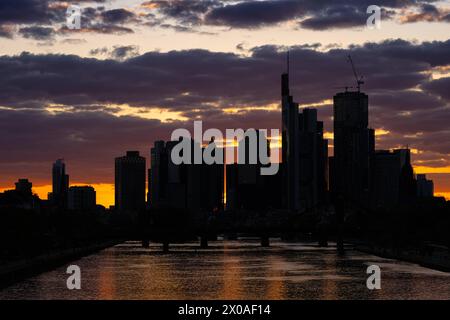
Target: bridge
{"x":177,"y":227}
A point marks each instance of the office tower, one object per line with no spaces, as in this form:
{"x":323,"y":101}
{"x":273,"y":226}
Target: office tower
{"x":425,"y":187}
{"x":24,"y":186}
{"x":158,"y":174}
{"x":246,"y":187}
{"x":168,"y":181}
{"x":177,"y":180}
{"x":385,"y":179}
{"x":60,"y":182}
{"x":353,"y":146}
{"x":407,"y":184}
{"x":130,"y":182}
{"x":290,"y":150}
{"x":304,"y":154}
{"x":313,"y":156}
{"x":213,"y":182}
{"x":184,"y":186}
{"x":82,"y":198}
{"x":392,"y":178}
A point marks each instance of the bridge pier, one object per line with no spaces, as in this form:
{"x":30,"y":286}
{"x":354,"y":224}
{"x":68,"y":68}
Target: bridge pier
{"x":340,"y":241}
{"x":165,"y":246}
{"x":145,"y":243}
{"x":265,"y":241}
{"x":203,"y":242}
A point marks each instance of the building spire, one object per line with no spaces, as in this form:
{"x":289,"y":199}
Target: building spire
{"x":285,"y":78}
{"x":287,"y":63}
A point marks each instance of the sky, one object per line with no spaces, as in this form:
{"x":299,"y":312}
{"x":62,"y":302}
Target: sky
{"x":137,"y":70}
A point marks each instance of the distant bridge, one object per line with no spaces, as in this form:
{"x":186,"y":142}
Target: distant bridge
{"x":207,"y":227}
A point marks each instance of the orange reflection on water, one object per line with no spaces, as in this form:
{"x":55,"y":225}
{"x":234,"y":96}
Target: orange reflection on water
{"x":231,"y":276}
{"x":107,"y":288}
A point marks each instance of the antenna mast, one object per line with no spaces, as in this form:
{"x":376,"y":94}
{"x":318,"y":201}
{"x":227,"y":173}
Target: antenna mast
{"x":287,"y":62}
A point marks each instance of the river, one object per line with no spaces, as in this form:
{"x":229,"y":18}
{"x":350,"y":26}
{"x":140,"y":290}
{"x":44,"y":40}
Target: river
{"x":233,"y":270}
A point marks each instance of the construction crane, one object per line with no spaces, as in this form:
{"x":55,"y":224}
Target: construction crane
{"x":359,"y":80}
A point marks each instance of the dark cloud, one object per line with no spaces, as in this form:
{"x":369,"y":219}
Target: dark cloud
{"x":427,"y":12}
{"x":406,"y":100}
{"x":117,"y":52}
{"x":125,"y":52}
{"x":250,"y":14}
{"x":117,"y":16}
{"x":340,"y":16}
{"x":163,"y":79}
{"x":317,"y":15}
{"x":38,"y":18}
{"x":440,"y":87}
{"x":98,"y":28}
{"x":187,"y":12}
{"x":28,"y":11}
{"x":37,"y":33}
{"x":336,"y":17}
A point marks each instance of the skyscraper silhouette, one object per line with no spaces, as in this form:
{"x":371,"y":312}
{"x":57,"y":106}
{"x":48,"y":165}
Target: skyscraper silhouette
{"x":24,"y":186}
{"x":184,"y":186}
{"x":313,"y":154}
{"x":60,"y":184}
{"x":353,"y":146}
{"x":81,"y":198}
{"x":425,"y":187}
{"x":304,"y":154}
{"x":130,"y":183}
{"x":246,"y":187}
{"x":290,"y":146}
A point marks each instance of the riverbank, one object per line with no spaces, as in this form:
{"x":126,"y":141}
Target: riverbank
{"x":21,"y":269}
{"x":430,"y":256}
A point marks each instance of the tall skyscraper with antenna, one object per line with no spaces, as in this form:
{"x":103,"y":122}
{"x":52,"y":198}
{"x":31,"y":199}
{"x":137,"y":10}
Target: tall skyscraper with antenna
{"x":290,"y":144}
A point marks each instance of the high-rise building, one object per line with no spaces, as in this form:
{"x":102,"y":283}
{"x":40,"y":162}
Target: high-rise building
{"x":82,"y":198}
{"x":184,"y":186}
{"x":24,"y":187}
{"x":212,"y":176}
{"x":304,"y":154}
{"x":354,"y":143}
{"x":385,"y":168}
{"x":158,"y":175}
{"x":408,"y":184}
{"x":425,"y":187}
{"x":313,"y":156}
{"x":130,"y":182}
{"x":290,"y":150}
{"x":246,"y":187}
{"x":391,"y":178}
{"x":60,"y":184}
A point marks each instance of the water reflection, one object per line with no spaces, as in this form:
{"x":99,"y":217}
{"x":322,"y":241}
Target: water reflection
{"x":234,"y":270}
